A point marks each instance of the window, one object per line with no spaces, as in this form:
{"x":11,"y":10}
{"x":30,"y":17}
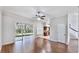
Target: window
{"x":23,"y":29}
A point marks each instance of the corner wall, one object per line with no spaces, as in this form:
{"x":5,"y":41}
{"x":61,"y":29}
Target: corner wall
{"x":8,"y":26}
{"x":53,"y":27}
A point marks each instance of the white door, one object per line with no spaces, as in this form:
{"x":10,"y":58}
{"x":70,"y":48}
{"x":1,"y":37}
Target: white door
{"x":61,"y":33}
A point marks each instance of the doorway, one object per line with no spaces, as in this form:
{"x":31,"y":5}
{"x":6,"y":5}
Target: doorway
{"x":23,"y":30}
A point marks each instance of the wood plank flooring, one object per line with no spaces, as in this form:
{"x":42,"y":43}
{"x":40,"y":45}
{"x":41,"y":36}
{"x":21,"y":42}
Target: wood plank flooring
{"x":38,"y":45}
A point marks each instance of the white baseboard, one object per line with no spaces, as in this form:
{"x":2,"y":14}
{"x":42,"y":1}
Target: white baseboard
{"x":8,"y":43}
{"x":60,"y":42}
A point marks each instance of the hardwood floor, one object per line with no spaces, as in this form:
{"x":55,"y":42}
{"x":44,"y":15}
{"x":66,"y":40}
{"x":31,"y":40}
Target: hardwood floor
{"x":38,"y":45}
{"x":73,"y":46}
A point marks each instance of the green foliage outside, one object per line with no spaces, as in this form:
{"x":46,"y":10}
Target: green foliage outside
{"x":24,"y":31}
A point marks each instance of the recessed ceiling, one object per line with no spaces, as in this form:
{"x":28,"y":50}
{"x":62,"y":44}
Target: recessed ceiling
{"x":53,"y":11}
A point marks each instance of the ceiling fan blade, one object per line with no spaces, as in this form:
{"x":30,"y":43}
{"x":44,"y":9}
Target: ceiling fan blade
{"x":43,"y":16}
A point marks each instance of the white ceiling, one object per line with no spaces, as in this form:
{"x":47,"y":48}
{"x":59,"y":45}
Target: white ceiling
{"x":52,"y":11}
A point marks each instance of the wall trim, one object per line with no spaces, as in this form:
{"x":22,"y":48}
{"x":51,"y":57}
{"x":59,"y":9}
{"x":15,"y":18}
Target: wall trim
{"x":8,"y":43}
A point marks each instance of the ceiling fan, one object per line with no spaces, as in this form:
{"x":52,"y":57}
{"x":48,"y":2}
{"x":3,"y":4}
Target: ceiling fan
{"x":40,"y":15}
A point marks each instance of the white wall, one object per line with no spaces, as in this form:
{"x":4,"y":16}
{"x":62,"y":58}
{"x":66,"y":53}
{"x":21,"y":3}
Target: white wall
{"x":53,"y":27}
{"x":78,"y":25}
{"x":9,"y":22}
{"x":0,"y":29}
{"x":8,"y":29}
{"x":38,"y":27}
{"x":73,"y":20}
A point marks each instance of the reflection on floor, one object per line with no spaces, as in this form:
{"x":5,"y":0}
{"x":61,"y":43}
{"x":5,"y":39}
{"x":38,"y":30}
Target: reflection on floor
{"x":73,"y":46}
{"x":29,"y":45}
{"x":20,"y":46}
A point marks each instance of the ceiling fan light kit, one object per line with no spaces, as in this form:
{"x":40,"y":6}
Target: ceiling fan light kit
{"x":40,"y":15}
{"x":38,"y":19}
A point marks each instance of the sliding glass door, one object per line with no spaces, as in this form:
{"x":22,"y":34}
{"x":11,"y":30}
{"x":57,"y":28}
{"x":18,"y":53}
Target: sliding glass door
{"x":23,"y":29}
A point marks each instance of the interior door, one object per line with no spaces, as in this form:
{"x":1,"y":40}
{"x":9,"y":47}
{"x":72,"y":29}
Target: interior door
{"x":61,"y":31}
